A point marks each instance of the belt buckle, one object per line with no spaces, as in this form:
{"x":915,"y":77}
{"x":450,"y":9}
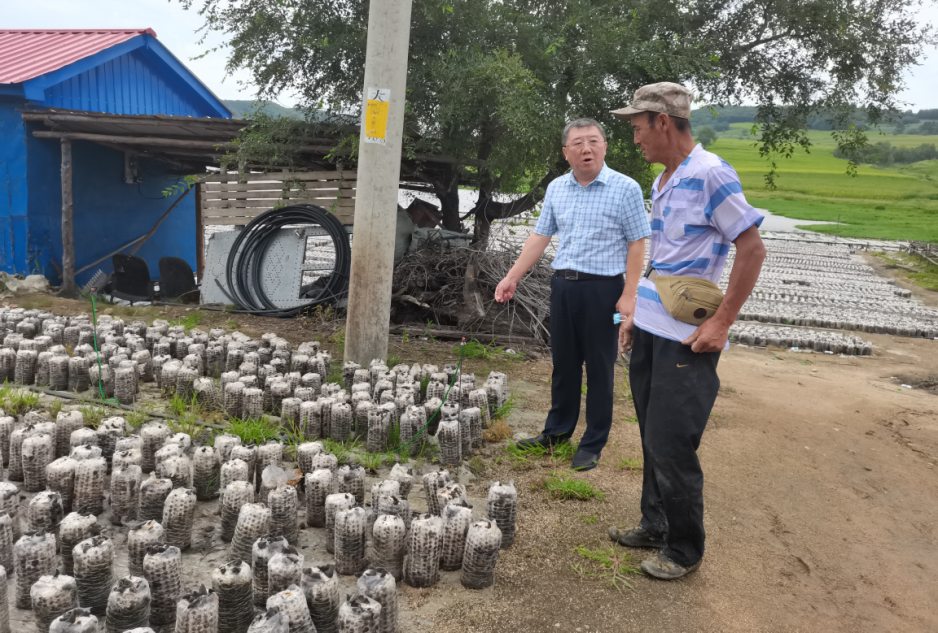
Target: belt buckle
{"x":570,"y":275}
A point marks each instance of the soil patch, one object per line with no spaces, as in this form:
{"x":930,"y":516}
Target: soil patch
{"x":929,"y":383}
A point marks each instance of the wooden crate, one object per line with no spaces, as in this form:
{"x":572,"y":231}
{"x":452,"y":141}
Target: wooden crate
{"x":239,"y":198}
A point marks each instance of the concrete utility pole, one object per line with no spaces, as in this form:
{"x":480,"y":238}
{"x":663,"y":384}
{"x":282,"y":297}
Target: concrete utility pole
{"x":379,"y":170}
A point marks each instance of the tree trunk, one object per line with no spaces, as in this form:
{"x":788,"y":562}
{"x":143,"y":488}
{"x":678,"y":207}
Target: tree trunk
{"x":487,"y":210}
{"x":483,"y":227}
{"x":449,"y":206}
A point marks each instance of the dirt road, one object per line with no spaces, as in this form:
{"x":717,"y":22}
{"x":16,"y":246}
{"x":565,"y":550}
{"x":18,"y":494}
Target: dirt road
{"x":821,"y":510}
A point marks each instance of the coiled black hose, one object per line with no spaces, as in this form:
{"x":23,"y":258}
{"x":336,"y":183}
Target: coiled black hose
{"x":243,"y":269}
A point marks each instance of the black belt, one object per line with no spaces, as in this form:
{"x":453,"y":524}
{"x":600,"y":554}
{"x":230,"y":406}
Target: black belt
{"x":575,"y":275}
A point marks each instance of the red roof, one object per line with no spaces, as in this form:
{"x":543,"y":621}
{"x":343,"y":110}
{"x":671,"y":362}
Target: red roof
{"x":28,"y":53}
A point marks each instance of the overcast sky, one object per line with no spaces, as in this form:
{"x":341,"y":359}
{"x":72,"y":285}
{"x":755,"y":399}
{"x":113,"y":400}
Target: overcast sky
{"x":176,"y":27}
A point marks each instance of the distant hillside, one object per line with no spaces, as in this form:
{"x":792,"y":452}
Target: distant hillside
{"x":747,"y":114}
{"x":732,"y":114}
{"x":242,"y":109}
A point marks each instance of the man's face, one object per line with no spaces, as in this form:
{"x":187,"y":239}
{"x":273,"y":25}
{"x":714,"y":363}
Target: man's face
{"x":585,"y":149}
{"x":649,"y":140}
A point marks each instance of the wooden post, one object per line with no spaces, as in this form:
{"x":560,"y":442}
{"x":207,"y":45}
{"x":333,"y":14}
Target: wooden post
{"x":69,"y":289}
{"x":199,"y":234}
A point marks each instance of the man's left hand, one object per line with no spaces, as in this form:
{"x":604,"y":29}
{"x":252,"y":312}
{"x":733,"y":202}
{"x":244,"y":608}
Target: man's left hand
{"x":625,"y":306}
{"x":710,"y":336}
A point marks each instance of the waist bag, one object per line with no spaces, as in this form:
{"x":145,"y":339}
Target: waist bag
{"x":689,"y":299}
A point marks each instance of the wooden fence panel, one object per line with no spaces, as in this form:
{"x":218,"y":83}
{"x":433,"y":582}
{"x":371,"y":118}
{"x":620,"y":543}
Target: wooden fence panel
{"x":233,"y":199}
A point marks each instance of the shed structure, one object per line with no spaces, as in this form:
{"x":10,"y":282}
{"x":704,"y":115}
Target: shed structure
{"x":64,"y":185}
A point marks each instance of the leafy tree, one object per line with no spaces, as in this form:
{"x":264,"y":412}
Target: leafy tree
{"x":706,"y":136}
{"x":491,"y":82}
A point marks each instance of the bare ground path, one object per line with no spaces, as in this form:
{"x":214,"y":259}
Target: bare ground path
{"x":821,"y":511}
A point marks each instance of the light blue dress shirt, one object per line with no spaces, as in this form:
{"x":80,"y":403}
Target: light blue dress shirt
{"x":594,"y":223}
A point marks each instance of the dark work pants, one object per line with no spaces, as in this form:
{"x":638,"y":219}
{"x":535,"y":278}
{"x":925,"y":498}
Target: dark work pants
{"x":673,"y":390}
{"x":582,"y":331}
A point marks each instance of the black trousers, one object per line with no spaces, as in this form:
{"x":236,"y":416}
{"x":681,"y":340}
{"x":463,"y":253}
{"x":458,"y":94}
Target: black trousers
{"x":582,"y":331}
{"x":673,"y":390}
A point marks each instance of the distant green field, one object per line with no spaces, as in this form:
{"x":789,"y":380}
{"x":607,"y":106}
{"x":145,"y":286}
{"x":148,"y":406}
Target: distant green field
{"x":896,"y":203}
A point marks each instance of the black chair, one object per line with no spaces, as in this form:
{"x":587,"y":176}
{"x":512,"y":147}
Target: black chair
{"x":131,"y":279}
{"x":176,"y":278}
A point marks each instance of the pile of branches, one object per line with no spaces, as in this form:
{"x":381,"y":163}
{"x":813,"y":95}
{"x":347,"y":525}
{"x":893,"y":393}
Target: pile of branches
{"x":456,"y":286}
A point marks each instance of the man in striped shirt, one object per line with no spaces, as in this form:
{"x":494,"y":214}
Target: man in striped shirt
{"x":698,"y":211}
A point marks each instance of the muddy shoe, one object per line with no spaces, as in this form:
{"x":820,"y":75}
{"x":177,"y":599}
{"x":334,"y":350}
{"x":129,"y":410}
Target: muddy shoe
{"x":542,"y":440}
{"x":664,"y":568}
{"x":636,"y":537}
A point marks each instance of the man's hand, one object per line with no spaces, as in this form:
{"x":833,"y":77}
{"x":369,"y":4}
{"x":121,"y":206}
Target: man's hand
{"x":505,"y":290}
{"x":710,"y":336}
{"x":625,"y":306}
{"x":625,"y":334}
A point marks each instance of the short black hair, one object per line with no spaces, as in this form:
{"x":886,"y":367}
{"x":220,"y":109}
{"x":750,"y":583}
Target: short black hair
{"x":582,"y":122}
{"x":680,"y":124}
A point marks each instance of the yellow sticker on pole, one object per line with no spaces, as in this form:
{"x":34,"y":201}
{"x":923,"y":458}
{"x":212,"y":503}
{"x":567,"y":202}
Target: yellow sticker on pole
{"x":376,"y":115}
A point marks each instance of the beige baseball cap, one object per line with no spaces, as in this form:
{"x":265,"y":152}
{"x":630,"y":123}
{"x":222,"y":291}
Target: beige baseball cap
{"x":670,"y":98}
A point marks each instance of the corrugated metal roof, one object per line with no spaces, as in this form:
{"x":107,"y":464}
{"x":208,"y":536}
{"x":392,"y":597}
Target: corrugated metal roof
{"x":28,"y":53}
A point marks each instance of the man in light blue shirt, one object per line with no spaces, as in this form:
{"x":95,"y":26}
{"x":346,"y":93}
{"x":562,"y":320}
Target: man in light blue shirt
{"x":600,"y":219}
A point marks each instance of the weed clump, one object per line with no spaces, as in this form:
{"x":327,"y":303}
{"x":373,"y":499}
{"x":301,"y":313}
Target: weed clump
{"x":564,"y":486}
{"x":614,"y":565}
{"x":21,"y":401}
{"x":254,"y":430}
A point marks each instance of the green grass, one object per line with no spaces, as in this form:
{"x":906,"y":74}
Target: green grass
{"x":523,"y":458}
{"x":394,"y":435}
{"x":394,"y":360}
{"x":254,"y":430}
{"x":178,"y":405}
{"x":477,"y":465}
{"x":613,"y":565}
{"x":55,"y":408}
{"x":341,"y":450}
{"x":371,"y":461}
{"x":632,"y":465}
{"x":190,"y":320}
{"x":92,"y":415}
{"x":335,"y":372}
{"x":20,"y":401}
{"x":477,"y":351}
{"x":815,"y":186}
{"x":587,"y":519}
{"x":505,"y":410}
{"x":338,"y":339}
{"x":189,"y":421}
{"x":138,"y":416}
{"x":564,"y":486}
{"x":915,"y":268}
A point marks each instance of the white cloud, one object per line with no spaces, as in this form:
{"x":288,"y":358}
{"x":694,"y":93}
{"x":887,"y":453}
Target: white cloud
{"x":922,"y":81}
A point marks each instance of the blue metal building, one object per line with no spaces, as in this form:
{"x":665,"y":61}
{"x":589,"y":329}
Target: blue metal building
{"x":135,"y":119}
